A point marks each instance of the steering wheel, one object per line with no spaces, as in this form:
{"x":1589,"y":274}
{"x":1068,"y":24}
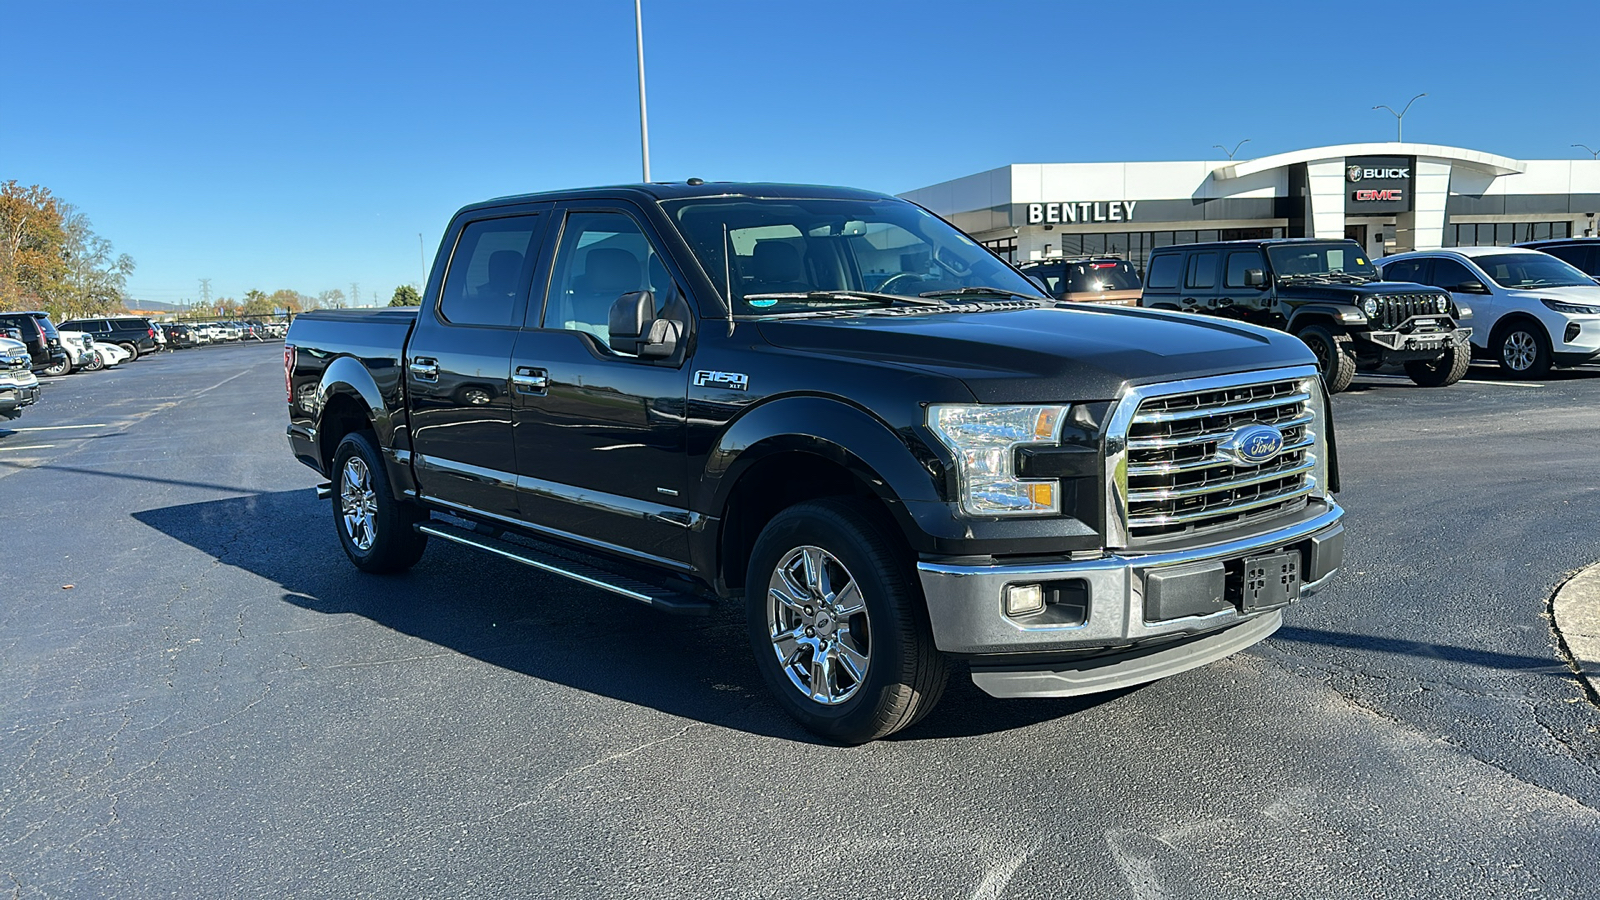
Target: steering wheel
{"x":887,"y":286}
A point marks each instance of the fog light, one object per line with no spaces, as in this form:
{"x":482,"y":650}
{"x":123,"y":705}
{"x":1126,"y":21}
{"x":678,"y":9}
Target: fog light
{"x":1024,"y":599}
{"x":1572,"y":331}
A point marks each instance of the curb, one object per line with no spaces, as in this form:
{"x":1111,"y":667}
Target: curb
{"x":1575,"y":610}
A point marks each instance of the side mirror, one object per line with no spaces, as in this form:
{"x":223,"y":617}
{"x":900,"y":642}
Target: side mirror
{"x":1255,"y":278}
{"x":1471,"y":286}
{"x":635,"y":329}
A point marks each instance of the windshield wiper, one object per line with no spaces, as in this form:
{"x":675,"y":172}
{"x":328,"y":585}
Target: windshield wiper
{"x":824,"y":296}
{"x":979,"y":291}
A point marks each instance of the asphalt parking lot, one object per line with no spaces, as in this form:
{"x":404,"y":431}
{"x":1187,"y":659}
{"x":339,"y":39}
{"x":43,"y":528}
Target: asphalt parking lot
{"x":202,"y":698}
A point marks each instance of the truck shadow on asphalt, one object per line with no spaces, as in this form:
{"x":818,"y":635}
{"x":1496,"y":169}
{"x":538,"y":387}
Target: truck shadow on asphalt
{"x":540,"y":625}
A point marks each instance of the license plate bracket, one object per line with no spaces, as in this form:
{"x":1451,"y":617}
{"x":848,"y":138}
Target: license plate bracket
{"x":1269,"y":581}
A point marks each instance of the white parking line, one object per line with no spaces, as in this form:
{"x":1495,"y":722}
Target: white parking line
{"x":28,"y":447}
{"x":1526,"y":384}
{"x":56,"y":427}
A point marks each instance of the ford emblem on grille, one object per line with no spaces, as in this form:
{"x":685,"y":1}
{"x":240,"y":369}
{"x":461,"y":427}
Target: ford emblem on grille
{"x":1253,"y":444}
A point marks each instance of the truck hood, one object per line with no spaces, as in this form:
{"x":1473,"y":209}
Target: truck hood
{"x":1045,"y":355}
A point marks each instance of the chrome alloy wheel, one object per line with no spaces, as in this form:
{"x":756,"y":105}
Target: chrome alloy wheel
{"x":358,"y":502}
{"x":818,"y":623}
{"x":1519,"y":351}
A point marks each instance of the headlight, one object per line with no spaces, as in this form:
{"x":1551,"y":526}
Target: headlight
{"x":1370,"y":307}
{"x":1318,"y":430}
{"x":984,"y":440}
{"x":1572,"y":309}
{"x":1442,"y":303}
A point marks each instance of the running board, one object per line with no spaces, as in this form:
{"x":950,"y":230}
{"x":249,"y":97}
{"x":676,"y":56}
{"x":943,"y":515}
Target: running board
{"x":594,"y":576}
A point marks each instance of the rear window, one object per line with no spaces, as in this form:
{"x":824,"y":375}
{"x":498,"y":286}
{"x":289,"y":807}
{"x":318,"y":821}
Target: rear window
{"x":1094,"y":277}
{"x":1164,"y":270}
{"x":24,"y":324}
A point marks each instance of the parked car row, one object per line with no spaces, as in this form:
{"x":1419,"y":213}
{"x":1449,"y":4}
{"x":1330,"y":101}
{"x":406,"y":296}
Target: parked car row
{"x":1529,"y":308}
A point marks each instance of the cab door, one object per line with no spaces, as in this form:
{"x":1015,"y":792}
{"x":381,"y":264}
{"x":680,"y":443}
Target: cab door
{"x":600,"y":435}
{"x":458,"y":363}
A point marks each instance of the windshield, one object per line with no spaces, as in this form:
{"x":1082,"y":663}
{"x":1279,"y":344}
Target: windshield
{"x":1336,"y":260}
{"x":794,"y":255}
{"x":1530,"y":270}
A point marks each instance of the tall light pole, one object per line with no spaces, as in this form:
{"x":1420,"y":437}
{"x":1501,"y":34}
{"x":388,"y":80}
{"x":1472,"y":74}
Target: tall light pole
{"x":1235,"y":147}
{"x":1590,"y":150}
{"x":422,"y":257}
{"x":644,"y":117}
{"x":1400,"y":117}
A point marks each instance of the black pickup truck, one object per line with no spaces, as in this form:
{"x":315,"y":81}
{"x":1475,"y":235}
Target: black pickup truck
{"x":688,"y":393}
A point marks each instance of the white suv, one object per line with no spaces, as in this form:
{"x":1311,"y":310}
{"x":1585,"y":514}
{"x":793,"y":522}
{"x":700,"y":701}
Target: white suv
{"x":1530,"y":310}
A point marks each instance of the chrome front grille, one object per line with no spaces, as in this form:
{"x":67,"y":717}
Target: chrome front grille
{"x":1395,"y":309}
{"x":1177,"y":477}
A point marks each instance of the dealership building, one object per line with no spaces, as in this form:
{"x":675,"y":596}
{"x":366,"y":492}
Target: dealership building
{"x":1389,"y":197}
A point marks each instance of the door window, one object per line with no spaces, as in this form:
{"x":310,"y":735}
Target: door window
{"x":1202,"y":271}
{"x":483,"y":284}
{"x":1448,"y":274}
{"x":602,"y":256}
{"x":1050,"y":275}
{"x":1238,"y":264}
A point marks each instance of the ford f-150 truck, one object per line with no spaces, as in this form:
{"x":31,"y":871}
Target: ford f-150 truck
{"x":688,"y":393}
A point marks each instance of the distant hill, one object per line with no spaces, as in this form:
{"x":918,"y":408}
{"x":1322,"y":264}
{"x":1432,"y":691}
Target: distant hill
{"x":149,"y":305}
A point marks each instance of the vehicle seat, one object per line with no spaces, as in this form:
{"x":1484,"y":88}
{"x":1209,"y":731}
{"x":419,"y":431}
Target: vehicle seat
{"x":504,"y":265}
{"x":777,"y":269}
{"x":609,"y":272}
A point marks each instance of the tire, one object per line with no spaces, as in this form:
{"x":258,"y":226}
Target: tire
{"x":62,"y":368}
{"x":133,"y":351}
{"x":96,"y":362}
{"x":873,"y":629}
{"x":1444,"y":371}
{"x":1522,"y":349}
{"x":1335,"y":359}
{"x":374,"y":528}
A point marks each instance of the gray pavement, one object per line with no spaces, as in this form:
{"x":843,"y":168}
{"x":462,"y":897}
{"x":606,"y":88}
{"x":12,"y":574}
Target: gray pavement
{"x":220,"y":706}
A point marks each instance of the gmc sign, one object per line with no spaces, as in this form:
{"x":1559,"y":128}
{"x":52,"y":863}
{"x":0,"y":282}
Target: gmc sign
{"x":1371,"y":195}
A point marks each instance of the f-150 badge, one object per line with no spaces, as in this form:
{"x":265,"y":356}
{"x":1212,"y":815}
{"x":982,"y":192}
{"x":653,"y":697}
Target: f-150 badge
{"x":733,"y":381}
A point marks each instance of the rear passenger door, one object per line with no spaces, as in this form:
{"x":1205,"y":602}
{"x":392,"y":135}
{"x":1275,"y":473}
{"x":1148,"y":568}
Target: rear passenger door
{"x":458,"y":363}
{"x":1200,"y":279}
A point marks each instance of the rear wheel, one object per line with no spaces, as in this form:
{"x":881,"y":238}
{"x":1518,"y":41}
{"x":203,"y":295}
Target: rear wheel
{"x":375,"y":529}
{"x":1335,"y":358}
{"x":1444,"y":371}
{"x":133,"y":351}
{"x":835,"y":620}
{"x":1523,"y":350}
{"x":60,"y":368}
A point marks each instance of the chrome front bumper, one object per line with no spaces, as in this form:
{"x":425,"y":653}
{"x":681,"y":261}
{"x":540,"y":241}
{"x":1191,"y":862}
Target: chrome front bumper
{"x":966,"y":602}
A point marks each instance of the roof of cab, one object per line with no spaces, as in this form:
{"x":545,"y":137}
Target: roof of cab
{"x":676,"y":190}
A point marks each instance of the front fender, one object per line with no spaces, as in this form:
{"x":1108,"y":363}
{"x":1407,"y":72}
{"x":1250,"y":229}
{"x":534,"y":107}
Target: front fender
{"x":837,"y":431}
{"x":1342,"y":314}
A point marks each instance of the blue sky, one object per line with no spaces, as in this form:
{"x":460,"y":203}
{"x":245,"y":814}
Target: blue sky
{"x":306,"y":145}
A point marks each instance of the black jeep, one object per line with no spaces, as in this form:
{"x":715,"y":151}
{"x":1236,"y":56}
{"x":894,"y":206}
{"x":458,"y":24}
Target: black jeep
{"x":1325,"y":292}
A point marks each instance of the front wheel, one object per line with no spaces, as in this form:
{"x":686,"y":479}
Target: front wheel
{"x":375,"y":529}
{"x":835,"y":620}
{"x":1335,"y":359}
{"x":95,"y":362}
{"x":1444,"y":371}
{"x":1523,"y":350}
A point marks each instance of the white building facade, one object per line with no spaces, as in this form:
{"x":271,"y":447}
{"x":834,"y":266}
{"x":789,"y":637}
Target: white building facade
{"x":1389,"y":197}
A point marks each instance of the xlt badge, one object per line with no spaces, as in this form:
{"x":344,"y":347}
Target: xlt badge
{"x":733,"y":381}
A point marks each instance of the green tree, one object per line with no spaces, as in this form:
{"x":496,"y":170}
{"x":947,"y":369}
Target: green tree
{"x":256,"y":304}
{"x":405,"y":295}
{"x":94,"y":279}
